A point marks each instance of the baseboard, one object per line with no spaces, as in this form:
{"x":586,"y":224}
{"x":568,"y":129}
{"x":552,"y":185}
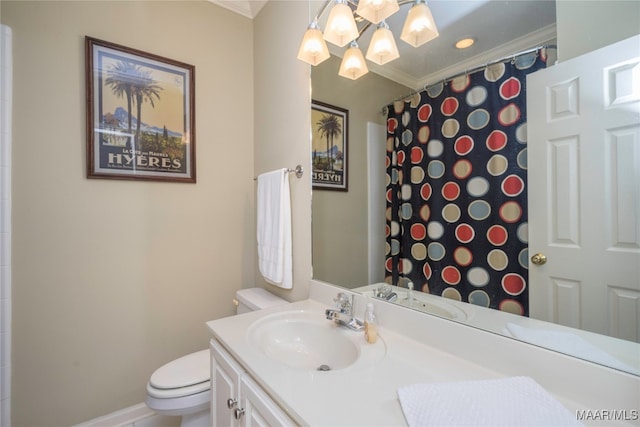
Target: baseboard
{"x":133,"y":416}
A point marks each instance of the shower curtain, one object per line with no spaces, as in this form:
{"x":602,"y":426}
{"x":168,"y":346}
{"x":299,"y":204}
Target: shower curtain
{"x":456,"y":187}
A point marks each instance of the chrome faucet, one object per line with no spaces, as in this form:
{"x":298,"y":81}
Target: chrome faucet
{"x":343,"y":315}
{"x":385,"y":292}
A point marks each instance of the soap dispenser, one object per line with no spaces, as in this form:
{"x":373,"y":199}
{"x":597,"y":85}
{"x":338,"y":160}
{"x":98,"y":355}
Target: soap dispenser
{"x":410,"y":286}
{"x":370,"y":324}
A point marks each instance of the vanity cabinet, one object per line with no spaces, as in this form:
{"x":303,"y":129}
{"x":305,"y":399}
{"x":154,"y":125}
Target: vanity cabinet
{"x":236,"y":398}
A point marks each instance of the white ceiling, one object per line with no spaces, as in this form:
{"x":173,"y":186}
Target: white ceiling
{"x":501,"y":28}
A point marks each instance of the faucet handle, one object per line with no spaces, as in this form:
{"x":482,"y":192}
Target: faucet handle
{"x":341,"y":299}
{"x":342,"y":302}
{"x":384,"y":290}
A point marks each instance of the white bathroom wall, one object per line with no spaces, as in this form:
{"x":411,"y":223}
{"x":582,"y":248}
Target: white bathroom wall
{"x":5,"y":224}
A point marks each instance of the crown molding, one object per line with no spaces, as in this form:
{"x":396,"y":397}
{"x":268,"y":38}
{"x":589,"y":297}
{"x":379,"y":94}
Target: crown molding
{"x":540,"y":37}
{"x":247,"y":8}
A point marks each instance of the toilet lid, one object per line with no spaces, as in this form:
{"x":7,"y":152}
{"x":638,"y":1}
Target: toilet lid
{"x":175,"y":393}
{"x":186,"y":371}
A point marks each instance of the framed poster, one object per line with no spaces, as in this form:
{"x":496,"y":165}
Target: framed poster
{"x":140,"y":115}
{"x":329,"y":143}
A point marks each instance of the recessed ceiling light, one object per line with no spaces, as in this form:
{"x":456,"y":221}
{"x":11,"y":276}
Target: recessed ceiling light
{"x":465,"y":43}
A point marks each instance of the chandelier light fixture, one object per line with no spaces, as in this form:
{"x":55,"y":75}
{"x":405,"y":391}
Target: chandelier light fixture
{"x":353,"y":64}
{"x":341,"y":29}
{"x":382,"y":48}
{"x":313,"y":49}
{"x":377,"y":10}
{"x":420,"y":27}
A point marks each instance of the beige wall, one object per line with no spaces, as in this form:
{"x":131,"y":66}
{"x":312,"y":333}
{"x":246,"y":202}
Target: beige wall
{"x":587,"y":25}
{"x":282,"y":122}
{"x":111,"y":279}
{"x":336,"y":214}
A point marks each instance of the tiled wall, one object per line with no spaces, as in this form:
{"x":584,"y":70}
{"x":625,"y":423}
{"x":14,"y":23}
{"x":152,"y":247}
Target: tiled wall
{"x":5,"y":225}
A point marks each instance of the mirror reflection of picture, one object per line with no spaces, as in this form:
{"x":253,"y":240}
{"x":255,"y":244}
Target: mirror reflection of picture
{"x":330,"y":129}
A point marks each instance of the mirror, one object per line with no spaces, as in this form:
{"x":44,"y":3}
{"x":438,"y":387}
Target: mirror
{"x":347,"y":253}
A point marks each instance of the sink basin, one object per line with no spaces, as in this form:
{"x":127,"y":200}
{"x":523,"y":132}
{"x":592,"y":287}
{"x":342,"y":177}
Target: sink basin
{"x":421,"y":301}
{"x":434,"y":305}
{"x":307,"y":341}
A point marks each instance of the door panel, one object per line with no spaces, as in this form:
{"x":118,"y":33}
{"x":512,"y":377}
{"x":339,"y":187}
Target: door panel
{"x":584,"y":191}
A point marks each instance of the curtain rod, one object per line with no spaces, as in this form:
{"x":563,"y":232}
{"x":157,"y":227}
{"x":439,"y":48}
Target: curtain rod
{"x":470,"y":71}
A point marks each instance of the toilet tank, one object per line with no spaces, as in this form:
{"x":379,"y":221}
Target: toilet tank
{"x":252,"y":299}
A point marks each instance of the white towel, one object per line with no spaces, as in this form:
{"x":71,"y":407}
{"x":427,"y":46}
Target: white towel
{"x":274,"y":228}
{"x":515,"y":401}
{"x":567,"y":343}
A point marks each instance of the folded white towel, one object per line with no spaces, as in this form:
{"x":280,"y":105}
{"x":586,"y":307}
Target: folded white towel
{"x":515,"y":401}
{"x":567,"y":343}
{"x":274,"y":228}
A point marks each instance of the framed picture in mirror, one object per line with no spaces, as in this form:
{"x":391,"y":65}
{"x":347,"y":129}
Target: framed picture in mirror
{"x":140,"y":115}
{"x":329,"y":145}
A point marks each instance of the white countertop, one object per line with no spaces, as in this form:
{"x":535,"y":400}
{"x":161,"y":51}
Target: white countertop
{"x":362,"y":394}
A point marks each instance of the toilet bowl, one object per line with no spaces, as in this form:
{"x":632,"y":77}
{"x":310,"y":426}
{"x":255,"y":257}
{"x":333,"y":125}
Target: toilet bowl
{"x":182,"y":387}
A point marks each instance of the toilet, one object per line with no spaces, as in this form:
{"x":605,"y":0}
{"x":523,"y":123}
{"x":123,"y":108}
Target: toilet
{"x":182,"y":387}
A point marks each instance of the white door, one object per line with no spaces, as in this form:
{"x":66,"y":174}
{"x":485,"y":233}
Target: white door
{"x":584,"y":191}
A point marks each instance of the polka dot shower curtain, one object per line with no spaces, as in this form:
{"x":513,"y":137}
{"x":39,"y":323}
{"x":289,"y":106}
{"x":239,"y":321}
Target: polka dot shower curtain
{"x":456,"y":187}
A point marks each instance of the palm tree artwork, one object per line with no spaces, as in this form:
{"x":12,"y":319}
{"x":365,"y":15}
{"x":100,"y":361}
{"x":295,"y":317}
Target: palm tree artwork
{"x":145,"y":89}
{"x":134,"y":83}
{"x":140,"y":117}
{"x":329,"y":127}
{"x":121,"y":79}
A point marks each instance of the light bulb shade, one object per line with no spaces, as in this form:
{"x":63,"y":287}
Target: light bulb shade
{"x":382,"y":48}
{"x":420,"y":26}
{"x":377,"y":10}
{"x":313,"y":50}
{"x":341,"y":27}
{"x":353,"y":65}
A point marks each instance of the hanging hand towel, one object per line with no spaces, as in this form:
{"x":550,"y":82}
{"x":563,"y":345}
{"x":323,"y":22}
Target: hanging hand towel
{"x":516,"y":401}
{"x":274,"y":228}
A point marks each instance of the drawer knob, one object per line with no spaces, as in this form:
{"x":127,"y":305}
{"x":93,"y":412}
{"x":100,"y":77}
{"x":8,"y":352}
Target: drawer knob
{"x":231,"y":403}
{"x":238,"y":413}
